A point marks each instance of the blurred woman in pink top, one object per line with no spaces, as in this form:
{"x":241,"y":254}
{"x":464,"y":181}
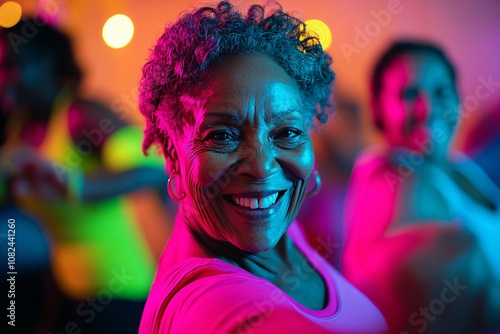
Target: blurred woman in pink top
{"x":231,"y":99}
{"x":423,"y":220}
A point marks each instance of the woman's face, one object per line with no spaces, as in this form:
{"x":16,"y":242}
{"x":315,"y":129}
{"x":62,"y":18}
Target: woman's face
{"x":419,"y":104}
{"x":244,"y":154}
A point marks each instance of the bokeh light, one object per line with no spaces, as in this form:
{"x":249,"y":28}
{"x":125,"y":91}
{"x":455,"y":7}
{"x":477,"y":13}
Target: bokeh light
{"x":320,"y":30}
{"x":10,"y":14}
{"x":118,"y":31}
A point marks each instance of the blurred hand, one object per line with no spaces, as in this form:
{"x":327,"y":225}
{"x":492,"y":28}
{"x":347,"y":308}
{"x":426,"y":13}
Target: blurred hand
{"x":32,"y":177}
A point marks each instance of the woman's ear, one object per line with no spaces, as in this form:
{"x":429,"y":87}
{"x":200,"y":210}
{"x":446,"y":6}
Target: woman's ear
{"x":171,"y":156}
{"x":174,"y":185}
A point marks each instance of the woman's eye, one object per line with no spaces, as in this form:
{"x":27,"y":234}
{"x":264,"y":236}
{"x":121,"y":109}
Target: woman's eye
{"x":221,"y":136}
{"x":288,"y":133}
{"x":444,"y":92}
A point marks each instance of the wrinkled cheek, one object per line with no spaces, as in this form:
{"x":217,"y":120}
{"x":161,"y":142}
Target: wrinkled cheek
{"x":302,"y":163}
{"x":210,"y":213}
{"x":201,"y":204}
{"x":205,"y":168}
{"x":302,"y":167}
{"x":191,"y":170}
{"x":203,"y":213}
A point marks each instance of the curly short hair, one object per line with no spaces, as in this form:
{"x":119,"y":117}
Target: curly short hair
{"x":181,"y":60}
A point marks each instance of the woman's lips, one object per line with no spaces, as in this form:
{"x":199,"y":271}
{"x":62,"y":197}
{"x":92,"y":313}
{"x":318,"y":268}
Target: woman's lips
{"x":256,"y":202}
{"x":255,"y":206}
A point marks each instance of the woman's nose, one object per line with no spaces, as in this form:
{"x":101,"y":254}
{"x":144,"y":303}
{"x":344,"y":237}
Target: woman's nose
{"x":258,"y":160}
{"x":421,"y":109}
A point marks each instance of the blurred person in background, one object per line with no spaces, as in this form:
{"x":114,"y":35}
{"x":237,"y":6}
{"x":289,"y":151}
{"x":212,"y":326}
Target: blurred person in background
{"x":77,"y":168}
{"x":27,"y":243}
{"x":423,"y":221}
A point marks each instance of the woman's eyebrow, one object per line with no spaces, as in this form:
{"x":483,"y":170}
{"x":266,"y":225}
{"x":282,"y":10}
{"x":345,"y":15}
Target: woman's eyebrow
{"x":226,"y":115}
{"x":221,"y":115}
{"x":280,"y":115}
{"x":211,"y":118}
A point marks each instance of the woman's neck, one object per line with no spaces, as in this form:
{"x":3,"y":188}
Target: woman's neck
{"x":283,"y":265}
{"x":187,"y":242}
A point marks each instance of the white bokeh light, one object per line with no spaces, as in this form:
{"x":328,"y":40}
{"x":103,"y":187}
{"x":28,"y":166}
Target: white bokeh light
{"x":118,"y":31}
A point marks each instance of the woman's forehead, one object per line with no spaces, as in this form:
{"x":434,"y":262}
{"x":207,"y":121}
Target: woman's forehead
{"x":247,"y":82}
{"x":416,"y":69}
{"x":245,"y":69}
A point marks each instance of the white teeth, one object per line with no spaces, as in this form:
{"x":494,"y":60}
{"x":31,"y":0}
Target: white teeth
{"x":256,"y":203}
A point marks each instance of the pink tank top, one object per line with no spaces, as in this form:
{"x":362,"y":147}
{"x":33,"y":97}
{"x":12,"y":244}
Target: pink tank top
{"x":203,"y":295}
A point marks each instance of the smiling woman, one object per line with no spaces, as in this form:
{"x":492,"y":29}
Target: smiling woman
{"x":249,"y":119}
{"x":231,"y":100}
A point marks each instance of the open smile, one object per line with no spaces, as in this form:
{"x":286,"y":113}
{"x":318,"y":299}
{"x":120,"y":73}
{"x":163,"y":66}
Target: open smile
{"x":255,"y":201}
